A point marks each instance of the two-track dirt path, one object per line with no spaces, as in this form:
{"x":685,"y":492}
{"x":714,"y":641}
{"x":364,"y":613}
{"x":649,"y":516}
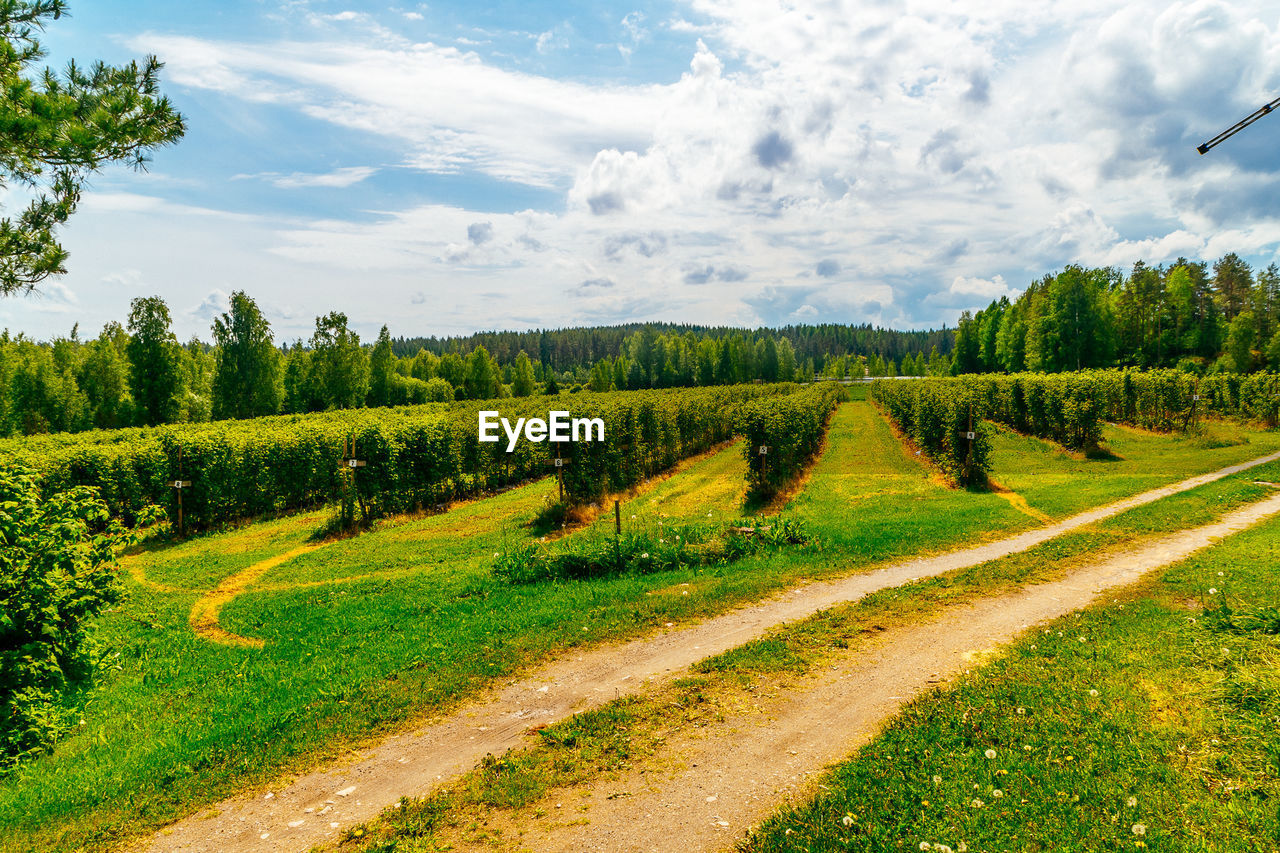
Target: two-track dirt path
{"x":313,"y":808}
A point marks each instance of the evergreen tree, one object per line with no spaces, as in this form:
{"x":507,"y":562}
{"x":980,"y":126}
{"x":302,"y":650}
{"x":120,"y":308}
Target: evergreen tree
{"x":967,"y":347}
{"x":61,"y":128}
{"x":339,"y":366}
{"x":104,"y":376}
{"x":154,"y":362}
{"x":1233,"y":283}
{"x":480,"y":382}
{"x":247,"y":382}
{"x":523,"y":382}
{"x":786,"y":361}
{"x":381,"y":371}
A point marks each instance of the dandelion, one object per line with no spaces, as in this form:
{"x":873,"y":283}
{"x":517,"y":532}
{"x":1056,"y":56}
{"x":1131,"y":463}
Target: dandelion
{"x":1139,"y":829}
{"x":662,"y":541}
{"x":1131,"y":802}
{"x":1022,"y":711}
{"x":937,"y":780}
{"x":925,"y":845}
{"x":977,"y":804}
{"x":633,"y":515}
{"x":677,"y":538}
{"x":1213,"y":590}
{"x":708,"y":515}
{"x":996,"y":793}
{"x":1093,"y":693}
{"x":495,"y":555}
{"x":847,"y":820}
{"x":1026,"y":747}
{"x":990,"y":753}
{"x":1082,"y":639}
{"x":645,"y":555}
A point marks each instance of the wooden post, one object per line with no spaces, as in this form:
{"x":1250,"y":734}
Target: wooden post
{"x":180,"y":484}
{"x":350,"y":462}
{"x":558,"y":463}
{"x":617,"y":519}
{"x":968,"y":458}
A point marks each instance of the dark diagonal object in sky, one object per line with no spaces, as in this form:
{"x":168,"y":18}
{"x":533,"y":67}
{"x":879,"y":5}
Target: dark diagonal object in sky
{"x":1238,"y":126}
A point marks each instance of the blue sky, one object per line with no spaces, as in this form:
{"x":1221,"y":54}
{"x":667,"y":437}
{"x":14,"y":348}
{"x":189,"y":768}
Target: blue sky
{"x":447,"y":167}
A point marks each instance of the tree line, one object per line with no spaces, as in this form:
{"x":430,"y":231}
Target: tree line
{"x":1188,"y":315}
{"x":139,"y":374}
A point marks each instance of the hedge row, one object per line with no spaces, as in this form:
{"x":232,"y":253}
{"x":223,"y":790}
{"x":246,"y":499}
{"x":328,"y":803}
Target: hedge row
{"x":1069,"y":408}
{"x":647,"y":433}
{"x":1063,"y":407}
{"x":791,"y":429}
{"x":415,"y":457}
{"x":938,"y":416}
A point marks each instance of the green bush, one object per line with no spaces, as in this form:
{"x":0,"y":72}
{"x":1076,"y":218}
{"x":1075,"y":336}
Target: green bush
{"x":662,"y":549}
{"x":937,"y":415}
{"x":55,"y":574}
{"x":792,"y":429}
{"x":416,"y":456}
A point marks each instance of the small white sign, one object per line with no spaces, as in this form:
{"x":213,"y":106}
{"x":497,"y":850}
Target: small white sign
{"x":181,"y":484}
{"x":355,"y":463}
{"x":764,"y":449}
{"x":971,"y":435}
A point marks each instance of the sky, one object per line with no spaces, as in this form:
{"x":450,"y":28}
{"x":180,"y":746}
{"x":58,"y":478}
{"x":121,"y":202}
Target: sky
{"x":448,"y":167}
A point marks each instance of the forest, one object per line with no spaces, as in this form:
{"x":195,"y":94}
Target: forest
{"x":1188,"y":315}
{"x":139,"y":374}
{"x":1185,"y":315}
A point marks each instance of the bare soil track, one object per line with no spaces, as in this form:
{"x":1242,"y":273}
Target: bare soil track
{"x":313,"y":808}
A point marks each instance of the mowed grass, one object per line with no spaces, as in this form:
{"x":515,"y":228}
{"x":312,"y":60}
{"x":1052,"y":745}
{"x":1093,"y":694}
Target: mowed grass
{"x":1139,"y":723}
{"x":366,"y":635}
{"x":1133,"y":461}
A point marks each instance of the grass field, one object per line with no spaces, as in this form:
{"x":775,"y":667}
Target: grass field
{"x":363,"y":636}
{"x":1146,"y":722}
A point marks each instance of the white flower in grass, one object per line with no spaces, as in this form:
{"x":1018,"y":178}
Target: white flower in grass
{"x":925,"y":845}
{"x":937,"y":780}
{"x":977,"y":804}
{"x":1093,"y":693}
{"x":1213,"y":590}
{"x":1131,"y":802}
{"x":847,"y":820}
{"x":1139,"y":829}
{"x":962,"y":848}
{"x":942,"y":848}
{"x":495,"y":555}
{"x":1021,"y":710}
{"x":996,"y":793}
{"x":990,"y":753}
